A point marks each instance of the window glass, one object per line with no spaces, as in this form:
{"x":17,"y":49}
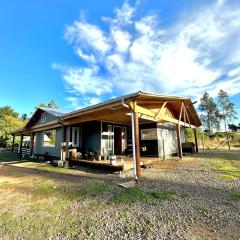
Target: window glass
{"x":110,"y":137}
{"x":43,"y":118}
{"x":49,"y":138}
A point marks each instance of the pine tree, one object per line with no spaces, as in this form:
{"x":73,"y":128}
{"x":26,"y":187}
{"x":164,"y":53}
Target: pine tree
{"x":227,"y":108}
{"x":210,"y":113}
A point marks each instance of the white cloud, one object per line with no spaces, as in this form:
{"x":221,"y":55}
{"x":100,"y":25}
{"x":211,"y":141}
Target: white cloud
{"x":136,"y":53}
{"x":87,"y":81}
{"x":234,"y":72}
{"x":87,"y":35}
{"x":88,"y":58}
{"x":121,"y":39}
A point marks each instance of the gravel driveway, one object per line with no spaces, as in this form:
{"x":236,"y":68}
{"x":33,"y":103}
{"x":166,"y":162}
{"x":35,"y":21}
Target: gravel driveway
{"x":194,"y":203}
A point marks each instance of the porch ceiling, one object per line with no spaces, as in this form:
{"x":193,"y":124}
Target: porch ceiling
{"x":116,"y":110}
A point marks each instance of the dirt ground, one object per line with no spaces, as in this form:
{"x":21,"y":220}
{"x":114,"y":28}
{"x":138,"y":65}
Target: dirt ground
{"x":194,"y":198}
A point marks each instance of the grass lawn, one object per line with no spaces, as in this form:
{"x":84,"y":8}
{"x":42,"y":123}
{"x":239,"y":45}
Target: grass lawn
{"x":38,"y":201}
{"x":227,"y":166}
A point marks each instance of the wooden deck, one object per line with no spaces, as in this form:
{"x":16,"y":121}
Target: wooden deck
{"x":120,"y":165}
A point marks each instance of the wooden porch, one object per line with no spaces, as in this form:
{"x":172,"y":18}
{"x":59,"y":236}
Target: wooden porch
{"x":120,"y":165}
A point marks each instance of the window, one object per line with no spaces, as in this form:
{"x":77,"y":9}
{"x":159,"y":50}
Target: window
{"x":149,"y":134}
{"x":43,"y":118}
{"x":49,"y":138}
{"x":110,"y":137}
{"x":75,"y":136}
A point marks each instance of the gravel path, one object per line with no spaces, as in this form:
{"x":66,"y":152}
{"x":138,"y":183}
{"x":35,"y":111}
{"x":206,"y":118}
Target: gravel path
{"x":202,"y":209}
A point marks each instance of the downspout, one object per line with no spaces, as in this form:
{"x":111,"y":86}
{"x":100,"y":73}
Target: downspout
{"x":133,"y":140}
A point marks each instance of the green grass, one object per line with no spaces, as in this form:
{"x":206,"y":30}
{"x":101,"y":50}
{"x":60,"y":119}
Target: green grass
{"x":48,"y":204}
{"x":48,"y":189}
{"x":204,"y":210}
{"x":235,"y":196}
{"x":131,"y":195}
{"x":165,"y":196}
{"x":134,"y":195}
{"x":227,"y":170}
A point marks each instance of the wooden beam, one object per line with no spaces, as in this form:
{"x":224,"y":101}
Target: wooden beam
{"x":186,"y":110}
{"x":175,"y":121}
{"x":179,"y":141}
{"x":137,"y":144}
{"x":195,"y":137}
{"x":150,"y":113}
{"x":184,"y":115}
{"x":180,"y":115}
{"x":160,"y":112}
{"x":141,"y":110}
{"x":13,"y":142}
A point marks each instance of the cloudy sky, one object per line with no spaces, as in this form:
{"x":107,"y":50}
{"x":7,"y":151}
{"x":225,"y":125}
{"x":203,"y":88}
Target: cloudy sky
{"x":83,"y":53}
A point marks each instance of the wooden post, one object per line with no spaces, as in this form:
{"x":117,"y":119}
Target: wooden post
{"x":68,"y":139}
{"x":228,"y":138}
{"x":202,"y":139}
{"x":13,"y":142}
{"x":64,"y":143}
{"x":137,"y":145}
{"x":21,"y":142}
{"x":196,"y":141}
{"x":32,"y":144}
{"x":179,"y":141}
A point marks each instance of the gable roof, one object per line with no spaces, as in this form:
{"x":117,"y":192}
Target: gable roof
{"x":54,"y":111}
{"x":36,"y":115}
{"x":112,"y":108}
{"x":104,"y":107}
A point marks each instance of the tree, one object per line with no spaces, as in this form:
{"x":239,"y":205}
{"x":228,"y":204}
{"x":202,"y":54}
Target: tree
{"x":227,"y":108}
{"x":9,"y":122}
{"x":234,"y":127}
{"x":51,"y":104}
{"x":210,"y":113}
{"x":24,"y":117}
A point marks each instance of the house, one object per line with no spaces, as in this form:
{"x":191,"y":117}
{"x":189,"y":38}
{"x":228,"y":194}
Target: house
{"x":139,"y":125}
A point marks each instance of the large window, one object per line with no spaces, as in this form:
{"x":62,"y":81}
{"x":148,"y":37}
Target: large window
{"x":49,"y":138}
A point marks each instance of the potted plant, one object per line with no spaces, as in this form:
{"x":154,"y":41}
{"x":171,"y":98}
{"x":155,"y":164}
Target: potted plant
{"x":113,"y":159}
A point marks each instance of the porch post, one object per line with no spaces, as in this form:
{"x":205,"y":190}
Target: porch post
{"x":64,"y":144}
{"x":32,"y":144}
{"x":196,"y":141}
{"x":21,"y":142}
{"x":137,"y":145}
{"x":13,"y":142}
{"x":68,"y":130}
{"x":179,"y":141}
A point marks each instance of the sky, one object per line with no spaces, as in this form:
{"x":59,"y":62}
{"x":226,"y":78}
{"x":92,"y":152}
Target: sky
{"x":81,"y":53}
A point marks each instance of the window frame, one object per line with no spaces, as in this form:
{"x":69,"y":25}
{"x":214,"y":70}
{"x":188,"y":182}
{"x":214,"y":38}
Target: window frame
{"x":51,"y":146}
{"x":74,"y":137}
{"x":43,"y":118}
{"x":110,"y":139}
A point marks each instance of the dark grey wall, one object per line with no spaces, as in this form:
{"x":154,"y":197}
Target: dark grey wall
{"x":53,"y":151}
{"x":49,"y":118}
{"x":91,"y":135}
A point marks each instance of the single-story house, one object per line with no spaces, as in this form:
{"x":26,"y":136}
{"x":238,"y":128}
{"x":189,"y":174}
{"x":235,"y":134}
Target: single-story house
{"x":137,"y":125}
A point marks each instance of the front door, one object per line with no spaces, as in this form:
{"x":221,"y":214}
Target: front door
{"x":118,"y":140}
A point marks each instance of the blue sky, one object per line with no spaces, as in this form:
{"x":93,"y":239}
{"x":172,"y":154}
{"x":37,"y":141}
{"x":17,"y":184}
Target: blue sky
{"x":83,"y":52}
